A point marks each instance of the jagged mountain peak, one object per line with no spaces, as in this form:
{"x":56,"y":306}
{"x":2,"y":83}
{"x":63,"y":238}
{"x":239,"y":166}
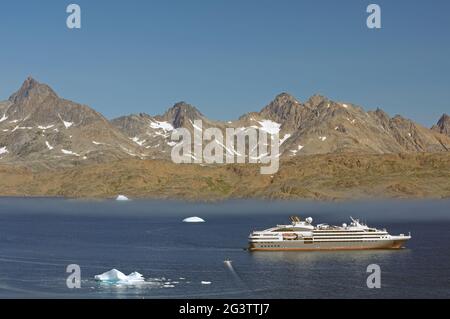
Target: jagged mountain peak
{"x":181,"y":113}
{"x":284,"y":97}
{"x":316,"y":100}
{"x":444,"y":118}
{"x":281,"y":108}
{"x":443,"y":125}
{"x":32,"y":88}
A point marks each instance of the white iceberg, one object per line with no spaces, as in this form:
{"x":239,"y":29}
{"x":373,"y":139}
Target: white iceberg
{"x":115,"y":276}
{"x":193,"y":220}
{"x":122,"y":198}
{"x":206,"y":282}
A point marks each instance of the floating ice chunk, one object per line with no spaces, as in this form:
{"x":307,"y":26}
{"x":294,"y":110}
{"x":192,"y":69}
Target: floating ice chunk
{"x":121,"y":198}
{"x":135,"y":277}
{"x":193,"y":220}
{"x":206,"y":282}
{"x":3,"y":150}
{"x":113,"y":275}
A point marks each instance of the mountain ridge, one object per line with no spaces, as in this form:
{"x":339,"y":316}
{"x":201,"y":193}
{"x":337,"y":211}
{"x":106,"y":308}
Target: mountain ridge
{"x":39,"y":127}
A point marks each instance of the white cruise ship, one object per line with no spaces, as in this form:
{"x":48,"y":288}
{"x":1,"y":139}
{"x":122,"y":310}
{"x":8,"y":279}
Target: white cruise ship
{"x":302,"y":235}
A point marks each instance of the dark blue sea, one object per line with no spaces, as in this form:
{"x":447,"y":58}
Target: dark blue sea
{"x":39,"y":238}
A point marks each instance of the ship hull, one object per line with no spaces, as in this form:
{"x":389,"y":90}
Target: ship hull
{"x":299,"y":245}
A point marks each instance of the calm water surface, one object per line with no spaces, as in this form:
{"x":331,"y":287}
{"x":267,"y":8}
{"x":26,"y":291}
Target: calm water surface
{"x":40,"y":237}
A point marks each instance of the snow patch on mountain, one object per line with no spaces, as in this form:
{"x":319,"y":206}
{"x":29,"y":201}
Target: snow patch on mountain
{"x":66,"y":152}
{"x":286,"y":136}
{"x":48,"y":145}
{"x":163,"y":125}
{"x":137,"y":141}
{"x":269,"y":126}
{"x":45,"y":127}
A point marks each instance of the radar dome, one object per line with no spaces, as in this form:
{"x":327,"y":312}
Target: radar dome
{"x":309,"y":220}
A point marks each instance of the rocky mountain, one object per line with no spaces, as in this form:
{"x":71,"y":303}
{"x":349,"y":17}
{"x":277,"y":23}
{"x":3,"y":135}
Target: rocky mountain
{"x":153,"y":133}
{"x":40,"y":129}
{"x":443,"y":125}
{"x":322,"y":126}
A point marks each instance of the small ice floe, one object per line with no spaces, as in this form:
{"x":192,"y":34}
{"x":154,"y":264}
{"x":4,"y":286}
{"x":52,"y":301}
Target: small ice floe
{"x":122,"y":198}
{"x":193,"y":220}
{"x":206,"y":282}
{"x":115,"y":276}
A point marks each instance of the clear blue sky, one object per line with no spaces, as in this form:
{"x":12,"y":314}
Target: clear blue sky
{"x":228,"y":57}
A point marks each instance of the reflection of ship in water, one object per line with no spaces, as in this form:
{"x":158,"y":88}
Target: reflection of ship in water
{"x":302,"y":235}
